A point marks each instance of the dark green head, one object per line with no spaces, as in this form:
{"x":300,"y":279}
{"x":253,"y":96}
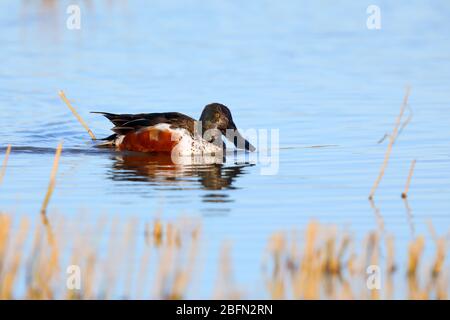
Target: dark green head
{"x":217,"y":116}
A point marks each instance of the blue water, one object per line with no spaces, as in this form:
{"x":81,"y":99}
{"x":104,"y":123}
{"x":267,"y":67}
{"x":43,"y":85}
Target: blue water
{"x":312,"y":70}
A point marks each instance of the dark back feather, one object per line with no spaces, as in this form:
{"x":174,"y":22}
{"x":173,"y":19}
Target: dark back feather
{"x":125,"y":123}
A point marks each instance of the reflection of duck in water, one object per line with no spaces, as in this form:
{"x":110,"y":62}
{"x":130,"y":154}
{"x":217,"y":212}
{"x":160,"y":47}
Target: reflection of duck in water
{"x":175,"y":133}
{"x":159,"y":168}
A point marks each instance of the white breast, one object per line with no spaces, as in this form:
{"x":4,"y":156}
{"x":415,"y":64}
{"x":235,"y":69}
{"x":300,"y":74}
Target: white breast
{"x":188,"y":145}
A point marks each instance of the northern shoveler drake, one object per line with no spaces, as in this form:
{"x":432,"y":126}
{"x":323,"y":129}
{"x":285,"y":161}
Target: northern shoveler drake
{"x":173,"y":131}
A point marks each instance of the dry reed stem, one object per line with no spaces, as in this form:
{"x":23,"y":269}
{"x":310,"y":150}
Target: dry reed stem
{"x":9,"y":276}
{"x":75,"y":113}
{"x":5,"y":229}
{"x":5,"y":162}
{"x":378,"y":215}
{"x":183,"y":277}
{"x":408,"y":181}
{"x":441,"y":247}
{"x":409,"y":216}
{"x":157,"y":233}
{"x":53,"y":265}
{"x":392,"y":139}
{"x":51,"y":185}
{"x":143,"y":272}
{"x":130,"y":241}
{"x":440,"y":257}
{"x":225,"y":286}
{"x":415,"y":252}
{"x":432,"y":230}
{"x":390,"y":256}
{"x":112,"y":256}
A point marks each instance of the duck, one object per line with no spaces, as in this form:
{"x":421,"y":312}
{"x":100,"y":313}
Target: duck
{"x":174,"y":132}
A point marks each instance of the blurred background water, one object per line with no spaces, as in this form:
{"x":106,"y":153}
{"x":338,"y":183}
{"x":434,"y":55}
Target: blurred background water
{"x":310,"y":69}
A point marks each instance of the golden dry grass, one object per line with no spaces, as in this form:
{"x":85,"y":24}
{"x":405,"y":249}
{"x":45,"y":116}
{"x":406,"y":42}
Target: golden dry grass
{"x":332,"y":265}
{"x":128,"y":259}
{"x":36,"y":258}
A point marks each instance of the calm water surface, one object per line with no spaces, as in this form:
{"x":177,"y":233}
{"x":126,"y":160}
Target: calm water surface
{"x":312,"y":70}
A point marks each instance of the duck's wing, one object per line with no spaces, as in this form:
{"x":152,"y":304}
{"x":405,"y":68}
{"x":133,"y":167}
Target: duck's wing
{"x":125,"y":123}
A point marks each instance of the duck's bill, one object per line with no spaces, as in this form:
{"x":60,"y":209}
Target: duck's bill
{"x":238,"y":140}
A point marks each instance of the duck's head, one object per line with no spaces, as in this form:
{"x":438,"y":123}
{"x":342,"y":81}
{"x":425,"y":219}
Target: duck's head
{"x":217,"y":116}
